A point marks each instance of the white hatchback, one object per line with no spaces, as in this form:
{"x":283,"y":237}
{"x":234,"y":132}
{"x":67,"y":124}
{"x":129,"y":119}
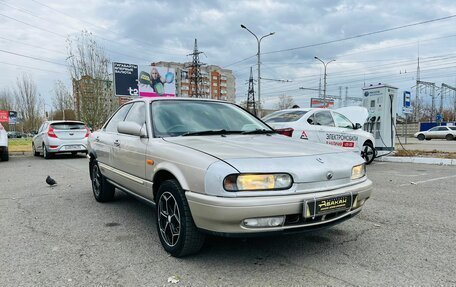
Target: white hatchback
{"x":323,"y":126}
{"x":3,"y":144}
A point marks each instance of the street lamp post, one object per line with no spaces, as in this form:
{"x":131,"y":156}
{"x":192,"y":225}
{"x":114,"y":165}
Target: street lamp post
{"x":259,"y":63}
{"x":324,"y":81}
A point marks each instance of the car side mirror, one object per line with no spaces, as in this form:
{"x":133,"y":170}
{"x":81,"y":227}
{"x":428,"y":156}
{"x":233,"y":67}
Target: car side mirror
{"x":129,"y":128}
{"x":357,"y":126}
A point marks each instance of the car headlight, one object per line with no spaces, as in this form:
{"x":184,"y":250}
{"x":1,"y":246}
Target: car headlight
{"x":358,"y":171}
{"x":250,"y":182}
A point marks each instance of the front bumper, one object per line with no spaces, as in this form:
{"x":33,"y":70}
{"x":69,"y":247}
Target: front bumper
{"x":225,"y":215}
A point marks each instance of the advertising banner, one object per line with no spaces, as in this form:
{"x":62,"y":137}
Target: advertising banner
{"x":125,"y":79}
{"x":320,"y":103}
{"x":4,"y":116}
{"x":156,"y":81}
{"x":12,"y":117}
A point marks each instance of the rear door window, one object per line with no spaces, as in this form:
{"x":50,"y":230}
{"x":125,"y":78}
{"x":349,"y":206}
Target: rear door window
{"x":452,"y":128}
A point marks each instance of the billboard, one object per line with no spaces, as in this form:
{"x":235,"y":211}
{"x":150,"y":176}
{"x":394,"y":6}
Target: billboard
{"x":12,"y":117}
{"x":125,"y":79}
{"x":154,"y":81}
{"x":4,"y":116}
{"x":320,"y":103}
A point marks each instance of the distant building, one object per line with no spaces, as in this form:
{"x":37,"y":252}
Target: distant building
{"x":217,"y":83}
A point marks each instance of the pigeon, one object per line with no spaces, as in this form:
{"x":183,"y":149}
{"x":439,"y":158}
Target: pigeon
{"x":50,"y":181}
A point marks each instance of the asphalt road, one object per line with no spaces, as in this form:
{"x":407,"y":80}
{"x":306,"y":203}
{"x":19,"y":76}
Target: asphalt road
{"x":435,"y":144}
{"x":61,"y":236}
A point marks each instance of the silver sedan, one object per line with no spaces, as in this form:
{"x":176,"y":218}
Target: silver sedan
{"x":210,"y":167}
{"x":439,"y":132}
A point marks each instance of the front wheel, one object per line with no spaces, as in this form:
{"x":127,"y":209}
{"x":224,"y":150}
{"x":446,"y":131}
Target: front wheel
{"x":35,"y":153}
{"x":103,"y":191}
{"x":421,"y":137}
{"x":177,"y":231}
{"x":368,"y":152}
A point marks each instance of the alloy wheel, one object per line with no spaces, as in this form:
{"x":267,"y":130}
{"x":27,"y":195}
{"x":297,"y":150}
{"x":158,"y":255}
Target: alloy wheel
{"x":368,"y":153}
{"x":96,"y":180}
{"x":169,"y":220}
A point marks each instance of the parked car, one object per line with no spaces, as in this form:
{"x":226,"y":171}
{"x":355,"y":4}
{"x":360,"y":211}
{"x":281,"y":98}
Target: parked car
{"x":211,"y":167}
{"x":4,"y":156}
{"x":60,"y":137}
{"x":323,"y":126}
{"x":14,"y":135}
{"x":439,"y":132}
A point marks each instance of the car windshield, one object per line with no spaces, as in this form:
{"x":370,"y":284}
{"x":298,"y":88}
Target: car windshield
{"x":284,"y":116}
{"x":184,"y":118}
{"x":68,"y":126}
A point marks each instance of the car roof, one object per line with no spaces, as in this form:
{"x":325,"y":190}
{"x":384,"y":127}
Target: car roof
{"x":153,"y":99}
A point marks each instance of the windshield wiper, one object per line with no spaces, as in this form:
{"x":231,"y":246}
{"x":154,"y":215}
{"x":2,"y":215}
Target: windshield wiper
{"x":259,"y":131}
{"x":211,"y":132}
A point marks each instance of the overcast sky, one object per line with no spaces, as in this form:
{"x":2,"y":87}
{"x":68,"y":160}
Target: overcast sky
{"x":142,"y":32}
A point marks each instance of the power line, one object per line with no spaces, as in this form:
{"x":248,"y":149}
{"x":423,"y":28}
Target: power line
{"x":363,"y":35}
{"x":34,"y":58}
{"x":34,"y":68}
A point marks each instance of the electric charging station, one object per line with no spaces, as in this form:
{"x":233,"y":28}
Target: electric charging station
{"x":380,"y":101}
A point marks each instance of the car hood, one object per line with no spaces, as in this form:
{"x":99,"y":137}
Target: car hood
{"x":354,"y":113}
{"x":252,"y":146}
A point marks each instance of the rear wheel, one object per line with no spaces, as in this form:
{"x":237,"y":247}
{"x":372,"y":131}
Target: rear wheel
{"x":103,"y":191}
{"x":177,"y":231}
{"x":421,"y":137}
{"x":35,"y":153}
{"x":74,"y":153}
{"x":4,"y":156}
{"x":449,"y":137}
{"x":368,"y":152}
{"x":46,"y":154}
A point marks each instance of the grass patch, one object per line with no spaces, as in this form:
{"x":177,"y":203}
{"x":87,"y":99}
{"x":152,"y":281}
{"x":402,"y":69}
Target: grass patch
{"x":422,"y":153}
{"x":20,"y":145}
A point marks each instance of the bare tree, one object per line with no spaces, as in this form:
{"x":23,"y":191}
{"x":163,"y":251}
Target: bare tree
{"x":6,"y":100}
{"x":62,"y":101}
{"x":27,"y":102}
{"x":285,"y":102}
{"x":92,"y":87}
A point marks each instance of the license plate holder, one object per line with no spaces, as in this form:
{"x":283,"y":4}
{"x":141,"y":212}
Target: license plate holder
{"x":72,"y":147}
{"x":327,"y":205}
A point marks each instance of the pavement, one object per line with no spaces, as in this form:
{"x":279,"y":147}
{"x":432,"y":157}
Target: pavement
{"x":431,"y":145}
{"x":60,"y":236}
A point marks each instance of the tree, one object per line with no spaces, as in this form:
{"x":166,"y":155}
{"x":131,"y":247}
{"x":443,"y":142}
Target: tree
{"x":62,"y":101}
{"x":88,"y":67}
{"x":27,"y":102}
{"x":285,"y":102}
{"x":6,"y":100}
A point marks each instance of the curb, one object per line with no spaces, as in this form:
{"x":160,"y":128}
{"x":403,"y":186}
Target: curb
{"x":15,"y":153}
{"x":424,"y":160}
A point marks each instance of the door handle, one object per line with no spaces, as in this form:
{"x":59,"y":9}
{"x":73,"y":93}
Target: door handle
{"x":97,"y":139}
{"x":116,"y":143}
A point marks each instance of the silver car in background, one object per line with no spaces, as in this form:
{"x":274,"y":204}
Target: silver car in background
{"x":212,"y":167}
{"x":438,"y":132}
{"x":60,"y":137}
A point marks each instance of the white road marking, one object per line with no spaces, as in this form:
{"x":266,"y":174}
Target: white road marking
{"x":429,"y":180}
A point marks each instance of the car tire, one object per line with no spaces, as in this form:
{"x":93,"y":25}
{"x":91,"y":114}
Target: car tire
{"x":74,"y":153}
{"x":176,"y":229}
{"x":103,"y":191}
{"x":46,"y":154}
{"x":368,"y":152}
{"x":4,"y":156}
{"x":421,"y":137}
{"x":449,"y":137}
{"x":35,"y":153}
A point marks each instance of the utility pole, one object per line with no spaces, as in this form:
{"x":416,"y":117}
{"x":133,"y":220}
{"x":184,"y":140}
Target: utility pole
{"x":432,"y":89}
{"x":445,"y":88}
{"x":196,"y":79}
{"x":259,"y":63}
{"x":251,"y":95}
{"x":416,"y":111}
{"x":324,"y":77}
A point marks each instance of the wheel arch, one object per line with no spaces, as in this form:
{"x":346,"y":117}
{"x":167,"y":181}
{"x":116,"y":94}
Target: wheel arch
{"x":164,"y":174}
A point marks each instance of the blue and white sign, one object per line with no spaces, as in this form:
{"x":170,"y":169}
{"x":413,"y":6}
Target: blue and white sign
{"x":407,"y":99}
